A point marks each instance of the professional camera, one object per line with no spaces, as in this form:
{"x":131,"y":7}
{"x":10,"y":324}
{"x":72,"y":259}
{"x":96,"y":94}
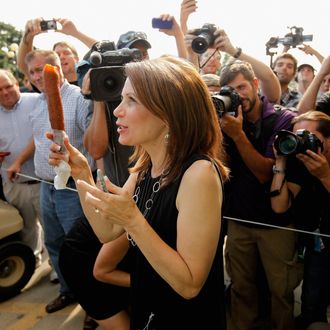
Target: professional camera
{"x":292,"y":39}
{"x":107,"y":69}
{"x":288,"y":143}
{"x":205,"y":38}
{"x":227,"y":101}
{"x":84,"y":65}
{"x":107,"y":74}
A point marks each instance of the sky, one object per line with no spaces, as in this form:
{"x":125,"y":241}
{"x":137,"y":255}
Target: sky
{"x":248,"y":23}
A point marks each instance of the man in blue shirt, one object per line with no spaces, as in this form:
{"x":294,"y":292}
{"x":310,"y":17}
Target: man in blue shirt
{"x":15,"y":132}
{"x":60,"y":209}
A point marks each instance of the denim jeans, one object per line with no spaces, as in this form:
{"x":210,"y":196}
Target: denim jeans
{"x":316,"y":287}
{"x":60,"y":209}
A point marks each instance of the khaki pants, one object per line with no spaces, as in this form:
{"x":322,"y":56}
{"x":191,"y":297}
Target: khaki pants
{"x":26,"y":199}
{"x":276,"y":249}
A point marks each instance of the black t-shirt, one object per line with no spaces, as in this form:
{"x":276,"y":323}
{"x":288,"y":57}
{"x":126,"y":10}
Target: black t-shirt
{"x":116,"y":159}
{"x":311,"y":207}
{"x":75,"y":82}
{"x":245,"y":197}
{"x":323,"y":104}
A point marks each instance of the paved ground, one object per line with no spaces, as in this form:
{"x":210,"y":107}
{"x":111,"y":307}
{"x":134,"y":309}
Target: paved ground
{"x":27,"y":310}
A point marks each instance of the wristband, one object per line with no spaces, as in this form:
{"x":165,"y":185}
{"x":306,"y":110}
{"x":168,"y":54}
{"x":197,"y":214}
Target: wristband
{"x":274,"y":193}
{"x":86,"y":96}
{"x":238,"y":52}
{"x":278,"y":170}
{"x":277,"y":192}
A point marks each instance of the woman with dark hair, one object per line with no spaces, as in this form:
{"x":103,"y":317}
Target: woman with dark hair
{"x":170,"y":206}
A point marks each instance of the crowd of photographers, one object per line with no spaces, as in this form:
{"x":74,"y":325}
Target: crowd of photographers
{"x":276,"y":127}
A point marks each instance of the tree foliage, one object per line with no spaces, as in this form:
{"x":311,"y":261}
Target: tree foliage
{"x":9,"y":40}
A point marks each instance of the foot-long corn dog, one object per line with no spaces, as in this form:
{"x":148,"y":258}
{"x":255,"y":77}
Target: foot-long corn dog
{"x":54,"y":100}
{"x":56,"y":118}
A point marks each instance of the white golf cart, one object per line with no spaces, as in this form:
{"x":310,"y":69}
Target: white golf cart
{"x":17,"y":261}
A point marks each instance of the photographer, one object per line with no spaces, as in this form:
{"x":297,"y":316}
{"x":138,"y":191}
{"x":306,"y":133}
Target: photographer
{"x":101,"y":136}
{"x":304,"y":77}
{"x":66,"y":51}
{"x":302,"y":183}
{"x":309,"y":99}
{"x":248,"y":138}
{"x":305,"y":72}
{"x":220,"y":41}
{"x":285,"y":67}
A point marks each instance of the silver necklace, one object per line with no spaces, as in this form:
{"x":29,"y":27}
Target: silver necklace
{"x":149,"y":202}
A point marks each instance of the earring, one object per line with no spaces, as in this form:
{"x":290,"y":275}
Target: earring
{"x":167,"y":137}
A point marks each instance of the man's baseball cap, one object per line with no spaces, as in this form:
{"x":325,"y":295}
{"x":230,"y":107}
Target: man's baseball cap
{"x":127,"y":39}
{"x":304,"y":65}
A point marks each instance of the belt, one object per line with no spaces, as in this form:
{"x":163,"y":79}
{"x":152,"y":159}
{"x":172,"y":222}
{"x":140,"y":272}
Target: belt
{"x":30,"y":182}
{"x":70,"y":180}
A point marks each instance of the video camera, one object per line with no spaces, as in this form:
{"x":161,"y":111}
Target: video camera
{"x":205,"y":38}
{"x":107,"y":76}
{"x":288,"y":143}
{"x":292,"y":39}
{"x":227,"y":101}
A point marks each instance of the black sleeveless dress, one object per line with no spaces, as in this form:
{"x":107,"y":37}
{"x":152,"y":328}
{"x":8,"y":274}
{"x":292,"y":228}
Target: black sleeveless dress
{"x":155,"y":305}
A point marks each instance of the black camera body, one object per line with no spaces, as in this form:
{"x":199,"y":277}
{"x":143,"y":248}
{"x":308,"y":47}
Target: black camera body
{"x":204,"y":38}
{"x":227,"y":101}
{"x":115,"y":57}
{"x":107,"y":75}
{"x":288,"y":143}
{"x":48,"y":25}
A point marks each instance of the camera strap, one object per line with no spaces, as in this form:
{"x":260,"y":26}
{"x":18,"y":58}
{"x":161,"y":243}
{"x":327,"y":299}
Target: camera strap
{"x":199,"y":62}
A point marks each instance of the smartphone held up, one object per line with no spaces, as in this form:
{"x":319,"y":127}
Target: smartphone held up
{"x":158,"y":23}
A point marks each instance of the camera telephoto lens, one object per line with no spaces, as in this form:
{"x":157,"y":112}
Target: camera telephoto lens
{"x":287,"y":144}
{"x":110,"y":83}
{"x":107,"y":83}
{"x":200,"y":45}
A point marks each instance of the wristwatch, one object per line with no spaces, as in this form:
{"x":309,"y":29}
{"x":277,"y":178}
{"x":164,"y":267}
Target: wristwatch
{"x":238,"y":52}
{"x":278,"y":170}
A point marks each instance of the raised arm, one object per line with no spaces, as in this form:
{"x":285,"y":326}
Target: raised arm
{"x":187,"y":8}
{"x":309,"y":50}
{"x":269,"y":83}
{"x":308,"y":100}
{"x":175,"y":31}
{"x":96,"y":137}
{"x":69,"y":28}
{"x":32,"y":28}
{"x":191,"y":55}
